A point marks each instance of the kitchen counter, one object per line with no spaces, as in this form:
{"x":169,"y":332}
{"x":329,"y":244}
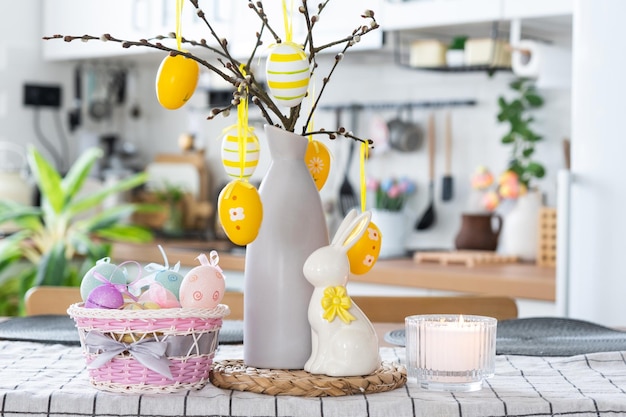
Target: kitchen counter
{"x":517,"y":280}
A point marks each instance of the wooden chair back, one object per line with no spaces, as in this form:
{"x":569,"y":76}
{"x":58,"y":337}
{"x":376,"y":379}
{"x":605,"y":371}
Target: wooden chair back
{"x":50,"y":300}
{"x":380,"y":309}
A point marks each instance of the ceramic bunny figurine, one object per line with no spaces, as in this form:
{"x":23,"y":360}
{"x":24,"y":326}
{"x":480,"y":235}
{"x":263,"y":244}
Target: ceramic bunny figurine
{"x":344,"y":342}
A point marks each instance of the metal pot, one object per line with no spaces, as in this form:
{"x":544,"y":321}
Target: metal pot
{"x":404,"y":135}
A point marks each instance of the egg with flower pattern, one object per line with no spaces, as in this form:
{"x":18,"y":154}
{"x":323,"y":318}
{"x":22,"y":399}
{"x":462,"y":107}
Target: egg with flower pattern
{"x":176,"y":81}
{"x":231,"y":153}
{"x":288,"y":74}
{"x":240,"y":211}
{"x":317,"y":160}
{"x":364,"y":254}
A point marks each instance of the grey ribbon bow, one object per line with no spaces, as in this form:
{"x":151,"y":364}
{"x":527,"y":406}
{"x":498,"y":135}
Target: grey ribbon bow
{"x":149,"y":353}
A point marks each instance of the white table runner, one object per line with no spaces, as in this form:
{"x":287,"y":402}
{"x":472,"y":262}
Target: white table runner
{"x":51,"y":380}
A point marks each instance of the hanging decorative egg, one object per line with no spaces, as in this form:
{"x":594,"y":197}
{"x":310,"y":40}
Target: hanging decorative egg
{"x":288,"y":73}
{"x":240,"y":211}
{"x":231,"y":154}
{"x":317,"y":160}
{"x":176,"y":81}
{"x":364,"y":253}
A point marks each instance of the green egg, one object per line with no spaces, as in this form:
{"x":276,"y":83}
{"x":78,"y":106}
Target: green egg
{"x":108,"y":270}
{"x":170,"y":280}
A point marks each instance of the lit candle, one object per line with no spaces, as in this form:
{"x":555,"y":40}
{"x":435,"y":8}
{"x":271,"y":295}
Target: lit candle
{"x":450,"y":352}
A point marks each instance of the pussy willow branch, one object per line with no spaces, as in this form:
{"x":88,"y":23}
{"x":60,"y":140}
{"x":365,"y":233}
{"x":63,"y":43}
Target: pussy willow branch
{"x":232,"y":68}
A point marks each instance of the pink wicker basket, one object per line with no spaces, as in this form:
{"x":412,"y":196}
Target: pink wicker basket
{"x":143,"y":351}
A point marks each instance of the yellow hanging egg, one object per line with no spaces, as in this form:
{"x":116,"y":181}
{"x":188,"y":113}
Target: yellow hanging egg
{"x":364,"y":254}
{"x":240,"y":211}
{"x":230,"y":154}
{"x":288,"y":74}
{"x":317,"y":160}
{"x":176,"y":81}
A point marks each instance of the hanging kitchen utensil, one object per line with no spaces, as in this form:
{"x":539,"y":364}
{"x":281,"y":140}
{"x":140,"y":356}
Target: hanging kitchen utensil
{"x":100,"y":105}
{"x":347,"y":196}
{"x":75,"y":113}
{"x":405,"y":135}
{"x":135,"y":109}
{"x":447,"y":189}
{"x":428,"y":218}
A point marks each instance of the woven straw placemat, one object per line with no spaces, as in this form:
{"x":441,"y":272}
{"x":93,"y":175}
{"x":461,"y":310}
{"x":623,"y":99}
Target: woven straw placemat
{"x":233,"y":374}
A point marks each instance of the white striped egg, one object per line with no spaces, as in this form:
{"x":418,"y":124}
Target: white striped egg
{"x":288,"y":74}
{"x":230,"y":153}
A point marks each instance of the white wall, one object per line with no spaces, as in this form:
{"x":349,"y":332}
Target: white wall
{"x":361,"y":78}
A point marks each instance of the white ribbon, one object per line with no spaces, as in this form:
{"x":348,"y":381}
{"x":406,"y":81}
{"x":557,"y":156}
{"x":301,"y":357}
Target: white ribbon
{"x":149,"y":353}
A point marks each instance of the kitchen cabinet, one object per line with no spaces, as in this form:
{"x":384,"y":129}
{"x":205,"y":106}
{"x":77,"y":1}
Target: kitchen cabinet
{"x":137,"y":19}
{"x":127,"y":19}
{"x":460,"y":14}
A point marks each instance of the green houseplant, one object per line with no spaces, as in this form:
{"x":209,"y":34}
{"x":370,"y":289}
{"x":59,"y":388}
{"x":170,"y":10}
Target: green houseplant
{"x":54,"y":245}
{"x":521,"y":137}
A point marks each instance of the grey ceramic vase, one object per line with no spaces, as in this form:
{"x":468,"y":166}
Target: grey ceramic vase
{"x":277,"y":333}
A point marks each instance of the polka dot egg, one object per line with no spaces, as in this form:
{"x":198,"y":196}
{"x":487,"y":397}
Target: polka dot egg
{"x":240,"y":211}
{"x":288,"y":74}
{"x":231,"y":155}
{"x":364,"y":254}
{"x":204,"y":285}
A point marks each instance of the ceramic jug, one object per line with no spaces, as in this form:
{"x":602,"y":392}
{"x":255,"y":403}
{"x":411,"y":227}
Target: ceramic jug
{"x":479,"y":231}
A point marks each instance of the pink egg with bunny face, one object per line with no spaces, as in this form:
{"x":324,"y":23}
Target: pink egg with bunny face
{"x":204,"y":285}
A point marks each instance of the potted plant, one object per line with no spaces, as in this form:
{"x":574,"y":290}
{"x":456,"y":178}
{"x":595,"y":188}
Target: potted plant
{"x":455,"y":55}
{"x":521,"y":137}
{"x":520,"y":228}
{"x":53,"y":244}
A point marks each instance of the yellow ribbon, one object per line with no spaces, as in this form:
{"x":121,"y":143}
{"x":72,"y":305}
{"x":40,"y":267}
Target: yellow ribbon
{"x":364,"y":153}
{"x":179,"y":12}
{"x":337,"y":303}
{"x":287,"y":20}
{"x":242,"y":126}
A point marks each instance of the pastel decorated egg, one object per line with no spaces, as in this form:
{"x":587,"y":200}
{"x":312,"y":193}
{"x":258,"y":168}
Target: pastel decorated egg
{"x":159,"y":295}
{"x":240,"y":211}
{"x":170,"y":280}
{"x":364,"y":253}
{"x":288,"y":73}
{"x":105,"y":296}
{"x":231,"y":153}
{"x":176,"y":81}
{"x":104,"y":268}
{"x":317,"y":160}
{"x":204,"y":285}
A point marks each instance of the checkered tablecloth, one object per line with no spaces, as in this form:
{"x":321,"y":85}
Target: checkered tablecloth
{"x":51,"y":380}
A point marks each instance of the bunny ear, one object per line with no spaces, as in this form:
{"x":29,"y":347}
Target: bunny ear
{"x":353,"y":232}
{"x":345,"y":223}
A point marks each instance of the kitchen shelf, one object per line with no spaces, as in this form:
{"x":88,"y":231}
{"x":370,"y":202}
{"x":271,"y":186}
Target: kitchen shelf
{"x":424,"y":104}
{"x":403,"y":40}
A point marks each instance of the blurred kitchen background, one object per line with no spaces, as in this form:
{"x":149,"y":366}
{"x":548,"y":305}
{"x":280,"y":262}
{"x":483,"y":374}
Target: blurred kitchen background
{"x":107,"y":98}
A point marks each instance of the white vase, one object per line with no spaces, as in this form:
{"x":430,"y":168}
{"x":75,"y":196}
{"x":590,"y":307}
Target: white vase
{"x":277,"y":333}
{"x":393,"y":228}
{"x":520,"y":229}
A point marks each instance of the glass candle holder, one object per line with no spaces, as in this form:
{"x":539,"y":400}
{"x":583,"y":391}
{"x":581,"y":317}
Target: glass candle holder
{"x":450,"y":352}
